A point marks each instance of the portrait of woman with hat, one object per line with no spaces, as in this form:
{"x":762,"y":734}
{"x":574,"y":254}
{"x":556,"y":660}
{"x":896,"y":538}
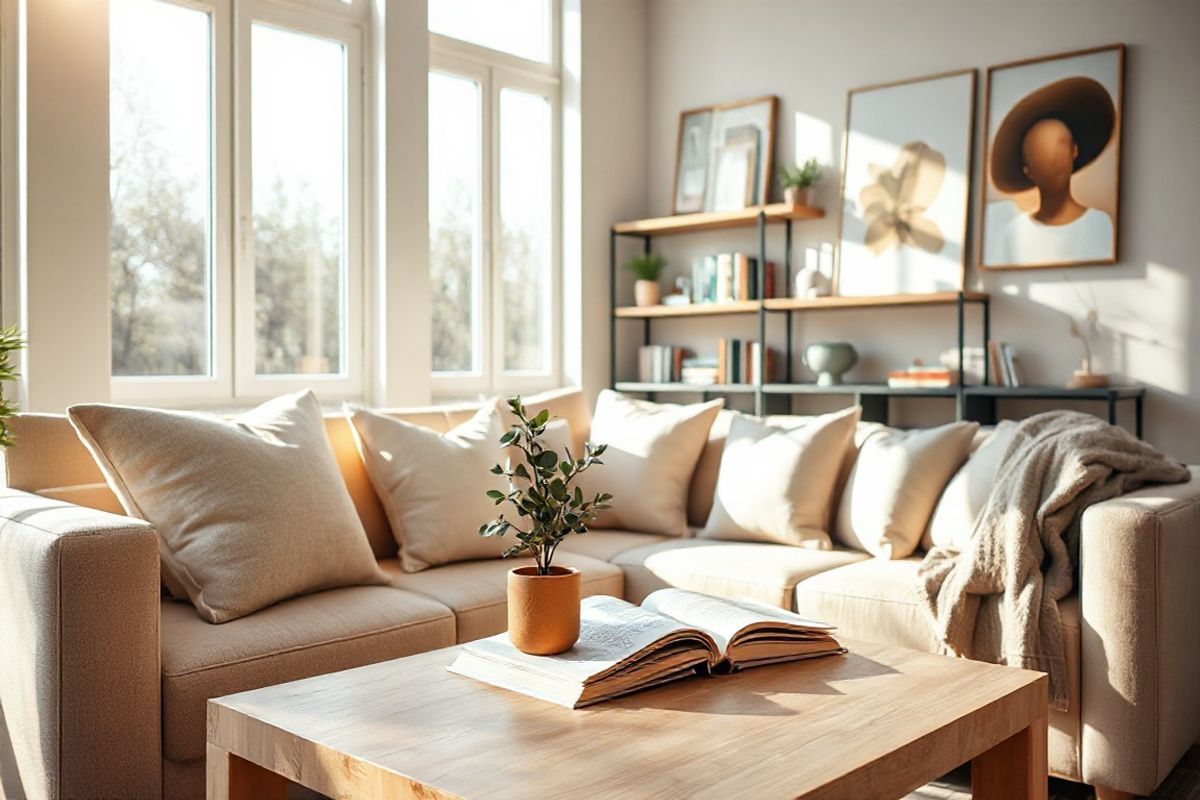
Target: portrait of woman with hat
{"x":1042,"y":142}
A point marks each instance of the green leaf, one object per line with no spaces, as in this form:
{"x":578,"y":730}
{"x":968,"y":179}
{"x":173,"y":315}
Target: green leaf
{"x":509,"y":438}
{"x":521,"y":472}
{"x":558,"y":489}
{"x":542,"y":418}
{"x":495,"y":494}
{"x":547,"y":459}
{"x":497,"y":470}
{"x":565,"y":468}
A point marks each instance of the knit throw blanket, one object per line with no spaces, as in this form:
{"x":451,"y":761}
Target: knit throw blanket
{"x":997,"y":600}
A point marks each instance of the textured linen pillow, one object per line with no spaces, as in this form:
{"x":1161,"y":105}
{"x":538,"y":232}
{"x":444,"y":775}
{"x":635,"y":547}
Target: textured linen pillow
{"x":895,"y":484}
{"x":776,"y":484}
{"x":248,"y":511}
{"x":434,"y":485}
{"x":652,"y":452}
{"x":967,"y":493}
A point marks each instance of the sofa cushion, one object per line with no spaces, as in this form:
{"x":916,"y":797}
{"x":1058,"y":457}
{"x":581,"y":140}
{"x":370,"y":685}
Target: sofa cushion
{"x":765,"y":572}
{"x":876,"y":601}
{"x":312,"y":635}
{"x":776,"y":483}
{"x":652,"y":453}
{"x":965,"y":497}
{"x":607,"y":543}
{"x":435,"y":519}
{"x":233,"y":500}
{"x":894,"y":485}
{"x":477,"y":591}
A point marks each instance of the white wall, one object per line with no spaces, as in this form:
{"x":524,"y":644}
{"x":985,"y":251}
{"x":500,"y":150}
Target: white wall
{"x":810,"y":53}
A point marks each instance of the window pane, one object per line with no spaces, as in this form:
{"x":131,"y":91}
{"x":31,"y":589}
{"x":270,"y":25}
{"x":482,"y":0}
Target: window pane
{"x":298,"y":173}
{"x":160,"y":154}
{"x":520,"y":27}
{"x":454,"y":221}
{"x":526,"y":151}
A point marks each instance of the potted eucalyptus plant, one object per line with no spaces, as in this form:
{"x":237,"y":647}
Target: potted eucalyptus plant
{"x":797,"y":180}
{"x":543,"y":599}
{"x":646,"y":268}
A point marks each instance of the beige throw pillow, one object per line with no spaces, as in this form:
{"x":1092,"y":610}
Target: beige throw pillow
{"x":963,"y":502}
{"x":652,"y":452}
{"x":895,"y":484}
{"x":776,"y":484}
{"x":434,"y":485}
{"x":248,"y":511}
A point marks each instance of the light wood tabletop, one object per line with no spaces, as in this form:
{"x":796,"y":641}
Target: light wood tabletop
{"x":878,"y":722}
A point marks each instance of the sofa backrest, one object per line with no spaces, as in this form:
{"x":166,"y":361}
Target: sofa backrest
{"x":49,"y":459}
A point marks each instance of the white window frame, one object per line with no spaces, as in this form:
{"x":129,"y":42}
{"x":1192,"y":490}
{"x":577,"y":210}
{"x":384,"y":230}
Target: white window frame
{"x":494,"y":71}
{"x":233,"y":380}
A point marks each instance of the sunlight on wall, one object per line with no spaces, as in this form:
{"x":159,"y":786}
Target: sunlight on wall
{"x":814,"y":139}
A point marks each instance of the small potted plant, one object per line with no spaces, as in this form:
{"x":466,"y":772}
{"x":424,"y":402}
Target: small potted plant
{"x":647,"y":268}
{"x":543,"y":599}
{"x":798,"y":180}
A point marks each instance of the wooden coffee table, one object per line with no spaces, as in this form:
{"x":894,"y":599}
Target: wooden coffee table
{"x":878,"y":722}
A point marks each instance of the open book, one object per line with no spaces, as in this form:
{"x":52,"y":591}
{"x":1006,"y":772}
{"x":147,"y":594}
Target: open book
{"x":623,"y":648}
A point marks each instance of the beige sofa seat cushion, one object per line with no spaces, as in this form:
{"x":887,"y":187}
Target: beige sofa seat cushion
{"x":312,"y":635}
{"x":477,"y":591}
{"x":764,"y":572}
{"x":776,"y":482}
{"x":235,"y":501}
{"x":652,"y":453}
{"x":894,"y":486}
{"x":875,"y":601}
{"x":606,"y":544}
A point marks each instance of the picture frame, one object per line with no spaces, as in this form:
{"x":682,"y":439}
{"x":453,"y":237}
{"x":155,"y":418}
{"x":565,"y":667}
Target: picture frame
{"x":1073,"y":99}
{"x":903,"y":216}
{"x":711,"y":145}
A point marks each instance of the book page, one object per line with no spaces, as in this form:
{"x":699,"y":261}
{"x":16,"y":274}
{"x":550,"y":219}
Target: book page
{"x":725,"y":619}
{"x":611,"y":632}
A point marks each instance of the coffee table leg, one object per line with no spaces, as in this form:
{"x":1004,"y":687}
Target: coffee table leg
{"x":229,"y":777}
{"x":1015,"y":769}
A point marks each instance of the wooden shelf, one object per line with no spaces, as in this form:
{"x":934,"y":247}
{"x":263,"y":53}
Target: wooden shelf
{"x":861,"y":389}
{"x":692,"y":310}
{"x":716,"y":220}
{"x":687,"y":388}
{"x":880,"y":301}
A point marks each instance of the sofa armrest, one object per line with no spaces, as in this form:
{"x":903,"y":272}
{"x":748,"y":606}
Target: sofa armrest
{"x":1140,"y":635}
{"x":79,"y":670}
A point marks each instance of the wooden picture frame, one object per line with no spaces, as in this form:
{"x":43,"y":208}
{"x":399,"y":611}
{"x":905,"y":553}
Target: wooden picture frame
{"x":1004,"y":215}
{"x":699,"y":140}
{"x":951,"y":129}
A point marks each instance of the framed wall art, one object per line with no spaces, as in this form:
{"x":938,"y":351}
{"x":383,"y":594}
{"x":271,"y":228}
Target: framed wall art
{"x":906,"y":171}
{"x":724,"y":156}
{"x":1052,"y":158}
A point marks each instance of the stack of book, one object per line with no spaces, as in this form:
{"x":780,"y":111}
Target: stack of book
{"x":728,"y":277}
{"x":738,"y":362}
{"x":973,"y":358}
{"x":659,"y":363}
{"x":923,"y":377}
{"x":1003,"y":364}
{"x":699,"y":371}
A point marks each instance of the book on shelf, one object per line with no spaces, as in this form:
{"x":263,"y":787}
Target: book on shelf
{"x":729,"y":277}
{"x":623,"y":648}
{"x":918,"y":376}
{"x":972,"y":362}
{"x":659,"y":363}
{"x":1003,"y":364}
{"x":738,"y":362}
{"x":698,"y":371}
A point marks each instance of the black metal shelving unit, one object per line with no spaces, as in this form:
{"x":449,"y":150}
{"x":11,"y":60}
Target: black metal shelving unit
{"x":976,"y":402}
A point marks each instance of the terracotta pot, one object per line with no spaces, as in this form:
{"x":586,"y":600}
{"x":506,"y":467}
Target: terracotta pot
{"x":796,"y":196}
{"x":543,"y":610}
{"x":646,"y":293}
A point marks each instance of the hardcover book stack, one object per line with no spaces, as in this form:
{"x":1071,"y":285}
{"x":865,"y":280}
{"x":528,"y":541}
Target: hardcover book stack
{"x":729,"y":277}
{"x":659,"y":363}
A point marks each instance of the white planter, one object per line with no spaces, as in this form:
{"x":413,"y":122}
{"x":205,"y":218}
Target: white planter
{"x":646,"y":293}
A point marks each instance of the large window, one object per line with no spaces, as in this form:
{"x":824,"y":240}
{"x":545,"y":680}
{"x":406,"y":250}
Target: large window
{"x":236,"y":182}
{"x":494,"y":211}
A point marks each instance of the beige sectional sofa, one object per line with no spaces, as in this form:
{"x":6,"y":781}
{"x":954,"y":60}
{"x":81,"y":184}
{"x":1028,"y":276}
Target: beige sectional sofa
{"x":104,"y":682}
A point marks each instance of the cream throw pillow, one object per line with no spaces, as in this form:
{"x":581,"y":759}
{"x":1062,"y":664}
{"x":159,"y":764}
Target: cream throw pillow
{"x":434,"y":485}
{"x":895,"y":484}
{"x":248,"y":511}
{"x":963,"y":502}
{"x":776,"y":484}
{"x":652,"y":451}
